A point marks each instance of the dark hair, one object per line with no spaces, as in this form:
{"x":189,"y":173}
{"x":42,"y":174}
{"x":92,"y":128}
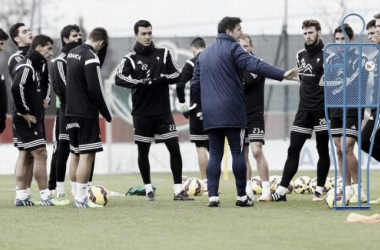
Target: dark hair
{"x":141,"y":23}
{"x":3,"y":36}
{"x":98,"y":34}
{"x":371,"y":24}
{"x":347,"y":29}
{"x":66,"y":31}
{"x":228,"y":23}
{"x":377,"y":16}
{"x":246,"y":36}
{"x":311,"y":23}
{"x":13,"y":31}
{"x":41,"y":40}
{"x":198,"y":43}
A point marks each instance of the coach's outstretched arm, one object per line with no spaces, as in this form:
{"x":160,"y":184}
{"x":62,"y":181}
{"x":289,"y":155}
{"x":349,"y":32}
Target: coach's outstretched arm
{"x":252,"y":64}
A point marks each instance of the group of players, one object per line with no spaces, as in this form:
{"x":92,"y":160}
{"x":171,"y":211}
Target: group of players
{"x":227,"y":100}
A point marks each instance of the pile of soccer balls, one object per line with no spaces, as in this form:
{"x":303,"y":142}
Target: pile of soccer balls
{"x":303,"y":185}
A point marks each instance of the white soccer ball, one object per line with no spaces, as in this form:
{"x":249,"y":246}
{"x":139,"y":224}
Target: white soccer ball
{"x":330,"y":198}
{"x":313,"y":185}
{"x":98,"y":194}
{"x":193,"y":187}
{"x":274,"y":181}
{"x":302,"y":185}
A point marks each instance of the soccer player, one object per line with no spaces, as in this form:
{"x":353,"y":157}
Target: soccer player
{"x":3,"y":89}
{"x":85,"y":98}
{"x":373,"y":29}
{"x":310,"y":114}
{"x":148,"y":71}
{"x":28,"y":90}
{"x":336,"y":118}
{"x":22,"y":37}
{"x":70,"y":38}
{"x":197,"y":134}
{"x":217,"y":89}
{"x":254,"y":100}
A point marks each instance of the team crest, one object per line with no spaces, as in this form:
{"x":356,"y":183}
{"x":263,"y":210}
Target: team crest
{"x":370,"y":66}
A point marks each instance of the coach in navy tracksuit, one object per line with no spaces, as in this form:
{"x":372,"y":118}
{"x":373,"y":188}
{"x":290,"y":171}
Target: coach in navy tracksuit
{"x":217,"y":87}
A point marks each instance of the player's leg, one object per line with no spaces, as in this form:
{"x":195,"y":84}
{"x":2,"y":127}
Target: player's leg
{"x":366,"y":138}
{"x":262,"y":168}
{"x":22,"y":196}
{"x":323,"y":164}
{"x":199,"y":137}
{"x":52,"y":183}
{"x":73,"y":132}
{"x":236,"y":141}
{"x":352,"y":161}
{"x":89,"y":143}
{"x":202,"y":153}
{"x":92,"y":173}
{"x":297,"y":141}
{"x":144,"y":135}
{"x":62,"y":157}
{"x":216,"y":138}
{"x":322,"y":145}
{"x":248,"y":187}
{"x":301,"y":131}
{"x":165,"y":131}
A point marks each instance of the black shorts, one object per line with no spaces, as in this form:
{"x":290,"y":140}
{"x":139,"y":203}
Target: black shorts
{"x":84,"y":135}
{"x":306,"y":121}
{"x":28,"y":138}
{"x":63,"y":134}
{"x":351,"y":127}
{"x":158,"y":128}
{"x":197,"y":133}
{"x":256,"y":130}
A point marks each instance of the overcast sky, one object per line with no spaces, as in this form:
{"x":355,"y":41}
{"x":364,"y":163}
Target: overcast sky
{"x":198,"y":17}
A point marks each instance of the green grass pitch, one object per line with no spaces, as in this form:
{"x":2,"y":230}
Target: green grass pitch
{"x":133,"y":223}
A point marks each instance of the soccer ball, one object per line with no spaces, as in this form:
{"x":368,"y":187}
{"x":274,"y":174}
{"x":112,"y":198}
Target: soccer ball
{"x":339,"y":198}
{"x":302,"y":185}
{"x":98,"y":194}
{"x":257,"y":186}
{"x":328,"y":184}
{"x":274,"y":181}
{"x":313,"y":185}
{"x":184,"y":178}
{"x":193,"y":187}
{"x":339,"y":181}
{"x":290,"y":188}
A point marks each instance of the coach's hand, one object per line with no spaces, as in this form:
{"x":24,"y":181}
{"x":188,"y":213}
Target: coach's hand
{"x":293,"y":74}
{"x":29,"y":119}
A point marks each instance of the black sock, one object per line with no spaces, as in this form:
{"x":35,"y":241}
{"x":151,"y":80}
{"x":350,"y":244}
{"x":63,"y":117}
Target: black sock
{"x":175,"y":160}
{"x":62,"y":156}
{"x":143,"y":161}
{"x":53,"y":170}
{"x":291,"y":165}
{"x":92,"y":169}
{"x":323,"y":165}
